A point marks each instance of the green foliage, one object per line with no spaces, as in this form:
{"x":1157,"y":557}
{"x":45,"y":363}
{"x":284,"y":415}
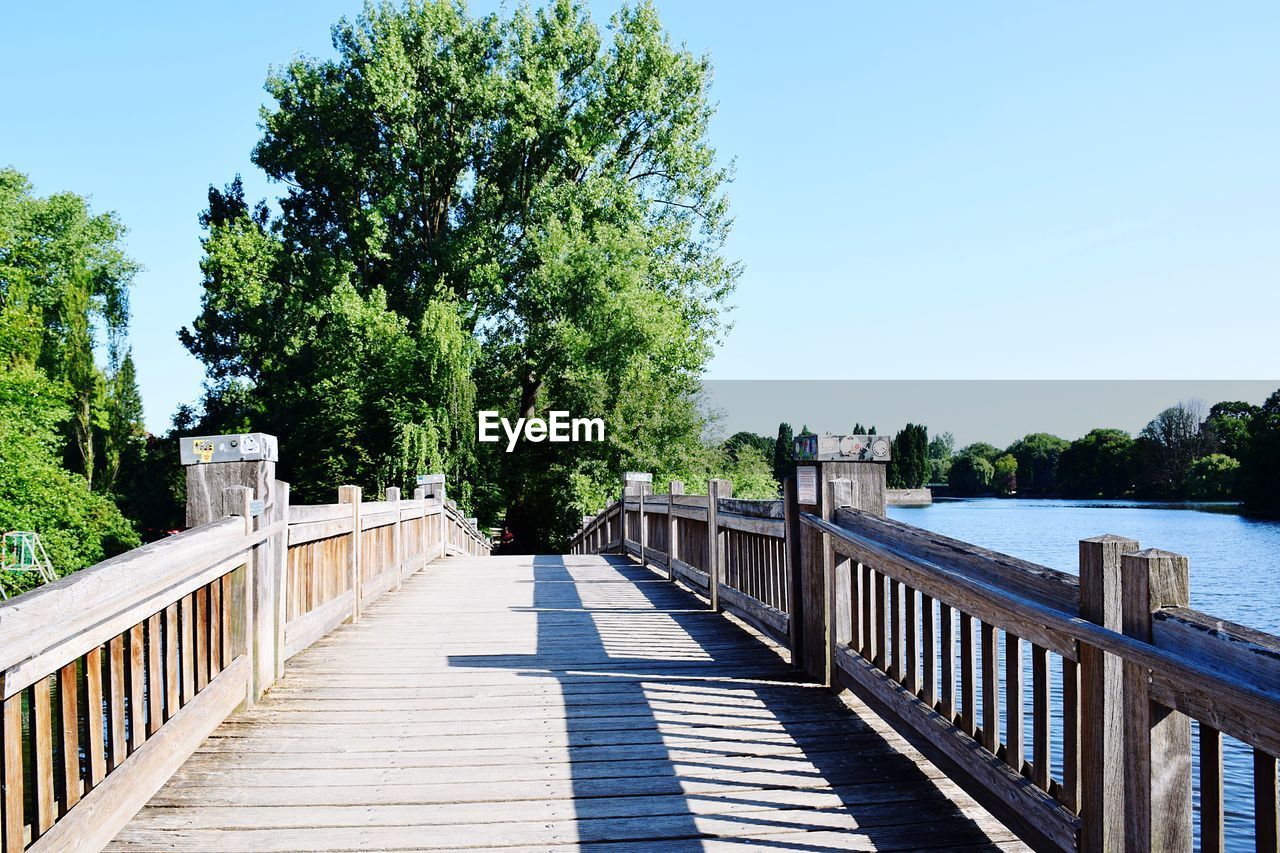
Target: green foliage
{"x":1165,"y":449}
{"x":981,"y":449}
{"x":941,"y":450}
{"x":508,"y":211}
{"x":78,"y":527}
{"x":1226,"y":429}
{"x":1260,"y":485}
{"x":784,"y":453}
{"x":1213,"y":478}
{"x":739,"y":440}
{"x":909,"y":461}
{"x":752,"y":475}
{"x":971,"y":474}
{"x":64,"y":275}
{"x":1037,"y":456}
{"x":1098,"y":465}
{"x":1004,"y":475}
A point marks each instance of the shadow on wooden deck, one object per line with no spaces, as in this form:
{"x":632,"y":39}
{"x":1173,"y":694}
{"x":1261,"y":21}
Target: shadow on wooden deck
{"x":686,"y":731}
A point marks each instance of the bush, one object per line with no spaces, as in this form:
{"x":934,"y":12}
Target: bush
{"x":1214,"y":477}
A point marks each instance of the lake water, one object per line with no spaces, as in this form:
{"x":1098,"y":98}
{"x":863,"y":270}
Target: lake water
{"x":1235,"y":575}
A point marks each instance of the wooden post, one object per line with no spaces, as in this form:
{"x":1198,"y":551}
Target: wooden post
{"x":642,"y":492}
{"x":397,"y":546}
{"x":673,"y":527}
{"x":1157,"y":753}
{"x":792,"y":546}
{"x":434,"y":485}
{"x":279,"y":578}
{"x":1102,"y":731}
{"x":838,"y":578}
{"x":237,"y":500}
{"x":716,"y":489}
{"x":351,"y":495}
{"x":420,"y":496}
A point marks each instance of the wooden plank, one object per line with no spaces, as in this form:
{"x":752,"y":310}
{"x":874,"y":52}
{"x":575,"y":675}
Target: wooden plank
{"x":772,"y":527}
{"x":155,"y":673}
{"x":911,"y":656}
{"x":135,"y":687}
{"x":1266,"y":806}
{"x":1032,"y":811}
{"x":95,"y":721}
{"x":968,"y":678}
{"x":117,"y":743}
{"x":69,"y":724}
{"x":107,"y":808}
{"x":947,"y":641}
{"x":1069,"y":792}
{"x":306,"y":629}
{"x":201,"y":627}
{"x":301,"y":534}
{"x":1212,"y":837}
{"x":172,"y":667}
{"x":11,"y":811}
{"x":1013,"y":701}
{"x":930,"y":632}
{"x":1040,"y":717}
{"x":990,"y":689}
{"x":40,"y":720}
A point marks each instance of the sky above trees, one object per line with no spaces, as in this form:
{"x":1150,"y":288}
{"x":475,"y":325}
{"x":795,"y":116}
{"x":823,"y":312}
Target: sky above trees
{"x":1092,"y":187}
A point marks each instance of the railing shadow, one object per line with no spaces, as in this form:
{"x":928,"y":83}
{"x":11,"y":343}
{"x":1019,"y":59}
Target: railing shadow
{"x":681,"y":726}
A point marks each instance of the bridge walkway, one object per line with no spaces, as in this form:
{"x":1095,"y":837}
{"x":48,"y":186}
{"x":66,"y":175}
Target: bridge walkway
{"x":548,"y":702}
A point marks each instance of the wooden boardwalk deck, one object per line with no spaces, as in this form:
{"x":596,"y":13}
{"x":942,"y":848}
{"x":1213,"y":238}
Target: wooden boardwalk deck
{"x":534,"y":702}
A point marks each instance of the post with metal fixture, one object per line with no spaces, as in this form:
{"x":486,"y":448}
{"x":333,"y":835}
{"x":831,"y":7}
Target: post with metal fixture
{"x":858,"y":462}
{"x":215,"y":463}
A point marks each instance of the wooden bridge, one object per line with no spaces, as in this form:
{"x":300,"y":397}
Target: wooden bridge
{"x":699,"y":673}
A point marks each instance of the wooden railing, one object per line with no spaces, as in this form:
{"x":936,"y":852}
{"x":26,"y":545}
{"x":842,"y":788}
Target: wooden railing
{"x":1065,"y":704}
{"x":732,"y":551}
{"x":112,"y":676}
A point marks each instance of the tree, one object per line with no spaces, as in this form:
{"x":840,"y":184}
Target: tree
{"x":971,"y":474}
{"x":909,"y":461}
{"x":1165,"y":449}
{"x":784,"y":450}
{"x":1213,"y":478}
{"x":1261,"y":458}
{"x":739,"y":440}
{"x":67,"y":265}
{"x":1226,"y":429}
{"x":1004,"y":475}
{"x":981,"y":449}
{"x":1037,"y":456}
{"x":1098,"y":465}
{"x":751,"y":475}
{"x":517,"y":181}
{"x":941,"y":449}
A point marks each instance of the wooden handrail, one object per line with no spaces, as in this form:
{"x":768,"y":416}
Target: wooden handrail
{"x":148,"y":652}
{"x":934,"y":632}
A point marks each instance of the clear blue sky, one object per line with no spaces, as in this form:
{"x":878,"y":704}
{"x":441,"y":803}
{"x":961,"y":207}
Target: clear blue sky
{"x":924,"y":190}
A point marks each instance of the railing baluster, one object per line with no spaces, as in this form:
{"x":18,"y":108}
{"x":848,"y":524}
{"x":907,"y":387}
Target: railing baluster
{"x":1212,"y":837}
{"x":928,"y":631}
{"x":11,"y":806}
{"x":155,"y":675}
{"x":968,"y":684}
{"x":990,"y":689}
{"x":172,"y":679}
{"x":117,"y":746}
{"x":880,"y":591}
{"x":135,"y":689}
{"x":1266,"y":807}
{"x":869,"y":585}
{"x":1069,"y":794}
{"x":895,"y":620}
{"x":1013,"y":701}
{"x":40,"y":721}
{"x":202,"y":638}
{"x":95,"y":723}
{"x":69,"y":723}
{"x":947,"y":616}
{"x":911,"y":661}
{"x":1040,"y":717}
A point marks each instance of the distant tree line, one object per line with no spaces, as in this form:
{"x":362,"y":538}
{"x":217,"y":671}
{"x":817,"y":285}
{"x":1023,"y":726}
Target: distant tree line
{"x":1229,"y":452}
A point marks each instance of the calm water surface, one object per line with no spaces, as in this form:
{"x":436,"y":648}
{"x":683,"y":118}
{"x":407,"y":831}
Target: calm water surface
{"x":1235,"y":575}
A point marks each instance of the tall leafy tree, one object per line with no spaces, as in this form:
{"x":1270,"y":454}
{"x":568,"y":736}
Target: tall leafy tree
{"x":1037,"y":456}
{"x":1166,"y":447}
{"x":510,"y":210}
{"x":784,"y":461}
{"x":1261,"y":458}
{"x":1098,"y":465}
